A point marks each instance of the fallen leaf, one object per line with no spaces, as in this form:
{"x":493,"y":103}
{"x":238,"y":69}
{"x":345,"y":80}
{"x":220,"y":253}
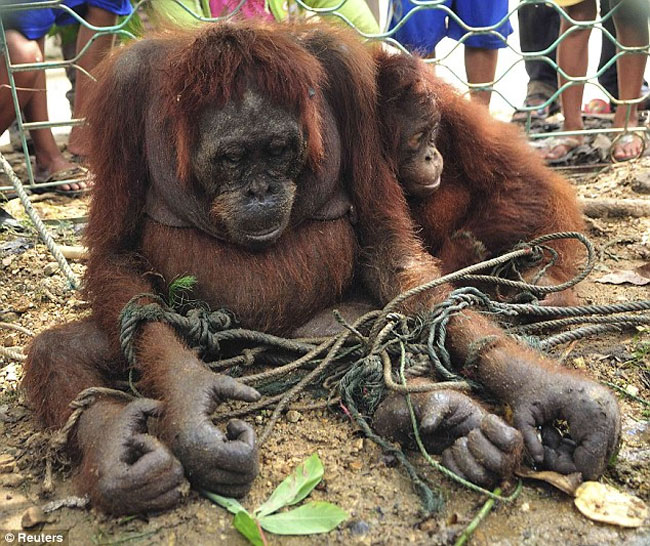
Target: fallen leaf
{"x":567,"y":483}
{"x":295,"y":487}
{"x":636,"y":277}
{"x":248,"y":527}
{"x":308,"y":519}
{"x":601,"y":502}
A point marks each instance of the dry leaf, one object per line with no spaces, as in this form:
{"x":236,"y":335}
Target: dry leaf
{"x":601,"y":502}
{"x":635,"y":277}
{"x":567,"y":483}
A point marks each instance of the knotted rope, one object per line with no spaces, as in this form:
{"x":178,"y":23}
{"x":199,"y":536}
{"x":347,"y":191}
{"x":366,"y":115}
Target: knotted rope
{"x":379,"y":351}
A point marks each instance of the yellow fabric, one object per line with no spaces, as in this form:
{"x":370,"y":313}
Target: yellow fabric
{"x":567,"y":3}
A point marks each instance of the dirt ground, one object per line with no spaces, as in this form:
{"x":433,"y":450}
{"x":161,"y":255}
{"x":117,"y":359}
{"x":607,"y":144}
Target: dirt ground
{"x":383,"y":506}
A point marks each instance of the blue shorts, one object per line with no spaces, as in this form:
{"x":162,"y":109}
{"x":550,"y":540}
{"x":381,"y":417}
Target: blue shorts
{"x":426,"y":28}
{"x":36,"y":23}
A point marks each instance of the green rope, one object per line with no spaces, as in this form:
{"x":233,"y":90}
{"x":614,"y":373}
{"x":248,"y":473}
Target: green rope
{"x":443,"y":469}
{"x":375,"y":354}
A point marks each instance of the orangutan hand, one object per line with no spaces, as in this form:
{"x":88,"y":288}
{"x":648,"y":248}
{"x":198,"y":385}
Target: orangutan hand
{"x":488,"y":454}
{"x":124,"y":469}
{"x":223,"y":463}
{"x":590,"y":411}
{"x":442,"y":415}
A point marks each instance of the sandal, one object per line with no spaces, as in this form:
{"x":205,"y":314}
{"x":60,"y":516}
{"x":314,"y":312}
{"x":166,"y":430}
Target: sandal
{"x":543,"y":112}
{"x":71,"y":175}
{"x":621,"y":142}
{"x":566,"y":145}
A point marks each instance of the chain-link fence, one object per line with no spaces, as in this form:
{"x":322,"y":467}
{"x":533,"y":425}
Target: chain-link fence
{"x":399,"y":23}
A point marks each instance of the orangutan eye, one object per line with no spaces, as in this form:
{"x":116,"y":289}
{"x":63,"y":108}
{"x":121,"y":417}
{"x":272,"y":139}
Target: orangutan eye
{"x":231,"y":158}
{"x":414,"y":141}
{"x":277,"y":148}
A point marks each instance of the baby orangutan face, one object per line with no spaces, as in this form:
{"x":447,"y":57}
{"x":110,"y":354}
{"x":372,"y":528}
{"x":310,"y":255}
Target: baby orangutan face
{"x":420,"y":163}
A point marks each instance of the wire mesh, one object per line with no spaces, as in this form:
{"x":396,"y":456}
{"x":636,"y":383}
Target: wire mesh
{"x":354,"y":13}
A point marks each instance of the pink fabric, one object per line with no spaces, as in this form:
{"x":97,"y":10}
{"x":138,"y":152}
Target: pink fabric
{"x":251,"y":8}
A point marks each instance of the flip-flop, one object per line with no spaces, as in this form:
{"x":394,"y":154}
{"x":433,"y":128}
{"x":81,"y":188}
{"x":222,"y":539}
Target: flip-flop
{"x":71,"y":175}
{"x":568,"y":142}
{"x":541,"y":113}
{"x":622,"y":140}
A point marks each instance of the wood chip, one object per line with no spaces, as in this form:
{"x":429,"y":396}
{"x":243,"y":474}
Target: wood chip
{"x":32,"y":517}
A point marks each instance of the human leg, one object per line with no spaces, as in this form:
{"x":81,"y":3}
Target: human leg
{"x":47,"y":154}
{"x":481,"y":50}
{"x":90,"y":59}
{"x":539,"y":27}
{"x":608,"y":79}
{"x":21,"y":51}
{"x":49,"y":162}
{"x":631,"y":21}
{"x":572,"y":59}
{"x":32,"y":98}
{"x":480,"y":66}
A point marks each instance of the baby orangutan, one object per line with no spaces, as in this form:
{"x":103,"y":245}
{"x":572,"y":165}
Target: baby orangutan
{"x":475,"y":188}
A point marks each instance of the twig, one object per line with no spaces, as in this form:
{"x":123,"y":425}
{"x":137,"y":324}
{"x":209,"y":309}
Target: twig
{"x":464,"y":537}
{"x":17,"y":327}
{"x":628,"y":394}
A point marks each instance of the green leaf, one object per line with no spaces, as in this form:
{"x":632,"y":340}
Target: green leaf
{"x":178,"y":288}
{"x":229,"y":504}
{"x":295,"y":487}
{"x":248,"y":527}
{"x":308,"y":519}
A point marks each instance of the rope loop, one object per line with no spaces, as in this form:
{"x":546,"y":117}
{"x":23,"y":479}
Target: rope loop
{"x":381,"y":350}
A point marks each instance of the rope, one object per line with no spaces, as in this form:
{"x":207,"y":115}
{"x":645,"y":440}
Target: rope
{"x":38,"y":224}
{"x":380,"y":350}
{"x":11,"y":354}
{"x":529,"y":309}
{"x":579,"y":333}
{"x":527,"y":250}
{"x":561,"y":323}
{"x":61,"y":437}
{"x":201,"y":328}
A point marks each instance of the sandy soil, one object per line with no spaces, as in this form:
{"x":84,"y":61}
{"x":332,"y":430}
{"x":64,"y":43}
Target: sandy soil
{"x":384,"y":508}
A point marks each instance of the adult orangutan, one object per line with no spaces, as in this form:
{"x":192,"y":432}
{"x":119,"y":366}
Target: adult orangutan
{"x":216,"y":155}
{"x":227,"y":154}
{"x":475,"y":189}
